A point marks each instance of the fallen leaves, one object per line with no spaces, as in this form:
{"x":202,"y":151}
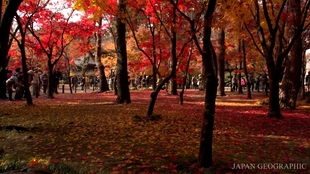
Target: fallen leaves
{"x":89,"y":130}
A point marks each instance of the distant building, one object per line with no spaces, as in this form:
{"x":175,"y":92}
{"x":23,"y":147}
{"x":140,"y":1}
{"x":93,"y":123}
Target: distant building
{"x":78,"y":64}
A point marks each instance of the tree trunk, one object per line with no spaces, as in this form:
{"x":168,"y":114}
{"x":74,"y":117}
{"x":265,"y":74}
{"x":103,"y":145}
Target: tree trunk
{"x":221,"y":59}
{"x":246,"y":70}
{"x":5,"y":26}
{"x":50,"y":88}
{"x":21,"y":46}
{"x":154,"y":76}
{"x":103,"y":84}
{"x":239,"y":81}
{"x":173,"y":86}
{"x":291,"y":82}
{"x":25,"y":72}
{"x":274,"y":107}
{"x":185,"y":77}
{"x":123,"y":95}
{"x":209,"y":62}
{"x":274,"y":75}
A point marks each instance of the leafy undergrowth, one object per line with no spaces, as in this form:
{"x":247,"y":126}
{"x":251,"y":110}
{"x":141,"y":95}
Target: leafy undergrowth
{"x":88,"y":133}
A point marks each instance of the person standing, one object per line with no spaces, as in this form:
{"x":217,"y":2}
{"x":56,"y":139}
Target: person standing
{"x":35,"y":82}
{"x":235,"y":82}
{"x":251,"y":82}
{"x":44,"y":79}
{"x":12,"y":81}
{"x":56,"y":77}
{"x":74,"y":83}
{"x":83,"y":84}
{"x":308,"y":81}
{"x":257,"y":83}
{"x":19,"y":89}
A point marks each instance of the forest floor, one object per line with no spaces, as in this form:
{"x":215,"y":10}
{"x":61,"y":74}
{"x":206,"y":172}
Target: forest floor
{"x":87,"y":133}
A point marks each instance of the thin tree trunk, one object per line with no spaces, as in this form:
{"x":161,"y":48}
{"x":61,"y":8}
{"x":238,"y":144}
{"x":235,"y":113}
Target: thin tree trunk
{"x":185,"y":77}
{"x":154,"y":76}
{"x":246,"y":70}
{"x":50,"y":89}
{"x":239,"y":80}
{"x":103,"y":84}
{"x":221,"y":59}
{"x":26,"y":83}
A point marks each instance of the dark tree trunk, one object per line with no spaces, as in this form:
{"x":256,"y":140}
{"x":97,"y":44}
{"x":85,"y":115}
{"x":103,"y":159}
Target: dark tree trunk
{"x":239,"y":80}
{"x":103,"y":84}
{"x":185,"y":77}
{"x":274,"y":107}
{"x":154,"y":94}
{"x":221,"y":60}
{"x":246,"y":70}
{"x":21,"y":45}
{"x":123,"y":94}
{"x":173,"y":86}
{"x":26,"y":82}
{"x":240,"y":87}
{"x":154,"y":76}
{"x":5,"y":26}
{"x":50,"y":84}
{"x":291,"y":82}
{"x":209,"y":62}
{"x":70,"y":83}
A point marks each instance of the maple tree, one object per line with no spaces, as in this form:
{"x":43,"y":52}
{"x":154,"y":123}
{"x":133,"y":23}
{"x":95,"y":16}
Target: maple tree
{"x":161,"y":30}
{"x":273,"y":58}
{"x":22,"y":28}
{"x":5,"y":26}
{"x":50,"y":40}
{"x":149,"y":47}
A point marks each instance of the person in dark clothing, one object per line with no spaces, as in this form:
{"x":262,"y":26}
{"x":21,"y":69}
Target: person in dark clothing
{"x":56,"y":77}
{"x":12,"y":81}
{"x":257,"y":83}
{"x":82,"y":83}
{"x":308,"y":81}
{"x":44,"y":79}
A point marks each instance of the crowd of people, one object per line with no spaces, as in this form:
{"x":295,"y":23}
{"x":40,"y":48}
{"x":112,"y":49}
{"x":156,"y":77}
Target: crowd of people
{"x":260,"y":82}
{"x":37,"y":80}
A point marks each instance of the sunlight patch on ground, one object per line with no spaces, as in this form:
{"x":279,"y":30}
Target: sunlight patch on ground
{"x":235,"y":104}
{"x":272,"y":136}
{"x":95,"y":103}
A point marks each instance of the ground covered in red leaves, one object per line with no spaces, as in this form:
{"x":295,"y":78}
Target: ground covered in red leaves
{"x":90,"y":134}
